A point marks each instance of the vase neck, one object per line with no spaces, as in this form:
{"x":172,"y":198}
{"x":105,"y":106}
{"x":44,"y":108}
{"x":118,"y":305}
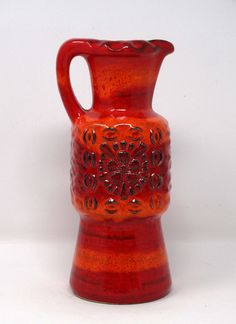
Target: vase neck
{"x":124,"y":82}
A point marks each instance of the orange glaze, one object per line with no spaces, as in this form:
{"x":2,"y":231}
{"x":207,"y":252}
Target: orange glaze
{"x":123,"y":262}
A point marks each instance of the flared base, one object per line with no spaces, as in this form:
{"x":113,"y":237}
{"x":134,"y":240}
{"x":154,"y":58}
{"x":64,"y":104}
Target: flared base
{"x":120,"y":263}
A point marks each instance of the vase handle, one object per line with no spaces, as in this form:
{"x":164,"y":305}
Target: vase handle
{"x":67,"y":52}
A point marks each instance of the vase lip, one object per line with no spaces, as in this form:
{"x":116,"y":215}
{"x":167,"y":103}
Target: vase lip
{"x":125,"y":47}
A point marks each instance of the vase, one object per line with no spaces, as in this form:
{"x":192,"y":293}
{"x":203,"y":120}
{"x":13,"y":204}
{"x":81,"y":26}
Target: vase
{"x":120,"y":171}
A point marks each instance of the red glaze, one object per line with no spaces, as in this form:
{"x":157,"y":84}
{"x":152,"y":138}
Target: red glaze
{"x":120,"y":177}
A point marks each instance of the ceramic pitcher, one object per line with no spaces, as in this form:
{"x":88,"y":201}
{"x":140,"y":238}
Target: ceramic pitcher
{"x":120,"y":171}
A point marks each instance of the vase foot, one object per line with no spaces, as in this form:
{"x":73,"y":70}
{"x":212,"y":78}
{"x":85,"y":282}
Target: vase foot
{"x":121,"y":263}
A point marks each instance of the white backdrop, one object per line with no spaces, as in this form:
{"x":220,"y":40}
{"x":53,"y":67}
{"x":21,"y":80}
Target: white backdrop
{"x":195,"y":92}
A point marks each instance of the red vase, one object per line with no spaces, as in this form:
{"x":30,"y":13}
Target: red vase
{"x":120,"y":178}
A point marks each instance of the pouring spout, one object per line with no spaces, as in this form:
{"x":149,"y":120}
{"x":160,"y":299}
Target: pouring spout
{"x":165,"y":46}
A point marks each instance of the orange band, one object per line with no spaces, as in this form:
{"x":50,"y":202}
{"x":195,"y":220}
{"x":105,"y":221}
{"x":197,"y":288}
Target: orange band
{"x":123,"y":262}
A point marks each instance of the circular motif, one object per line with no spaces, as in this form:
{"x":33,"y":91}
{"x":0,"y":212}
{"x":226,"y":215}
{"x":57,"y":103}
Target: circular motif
{"x":156,"y":136}
{"x":156,"y":181}
{"x":90,"y":203}
{"x":110,"y":134}
{"x":89,"y":136}
{"x":123,"y":168}
{"x":89,"y":159}
{"x":90,"y":181}
{"x":155,"y":202}
{"x":156,"y":157}
{"x":111,"y":206}
{"x":134,"y":206}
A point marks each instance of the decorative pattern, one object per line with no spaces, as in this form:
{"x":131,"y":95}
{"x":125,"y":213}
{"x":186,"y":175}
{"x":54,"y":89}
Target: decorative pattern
{"x":114,"y":167}
{"x":135,"y":206}
{"x":156,"y":181}
{"x":155,"y":136}
{"x":135,"y":46}
{"x":89,"y":159}
{"x":155,"y":202}
{"x":111,"y":206}
{"x":89,"y":136}
{"x":123,"y":168}
{"x":90,"y":181}
{"x":156,"y":157}
{"x":90,"y":203}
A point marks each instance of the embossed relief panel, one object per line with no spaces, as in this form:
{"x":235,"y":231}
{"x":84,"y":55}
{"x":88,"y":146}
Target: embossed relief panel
{"x":119,"y":171}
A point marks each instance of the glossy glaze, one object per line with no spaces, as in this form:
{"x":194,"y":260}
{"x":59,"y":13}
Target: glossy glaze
{"x":120,"y":177}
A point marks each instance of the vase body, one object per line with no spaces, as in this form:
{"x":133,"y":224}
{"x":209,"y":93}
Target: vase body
{"x":120,"y":171}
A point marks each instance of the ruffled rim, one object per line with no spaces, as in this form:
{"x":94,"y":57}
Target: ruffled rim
{"x":132,"y":47}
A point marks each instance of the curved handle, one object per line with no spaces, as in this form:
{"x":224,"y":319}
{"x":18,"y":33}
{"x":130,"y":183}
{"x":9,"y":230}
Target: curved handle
{"x":67,"y":52}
